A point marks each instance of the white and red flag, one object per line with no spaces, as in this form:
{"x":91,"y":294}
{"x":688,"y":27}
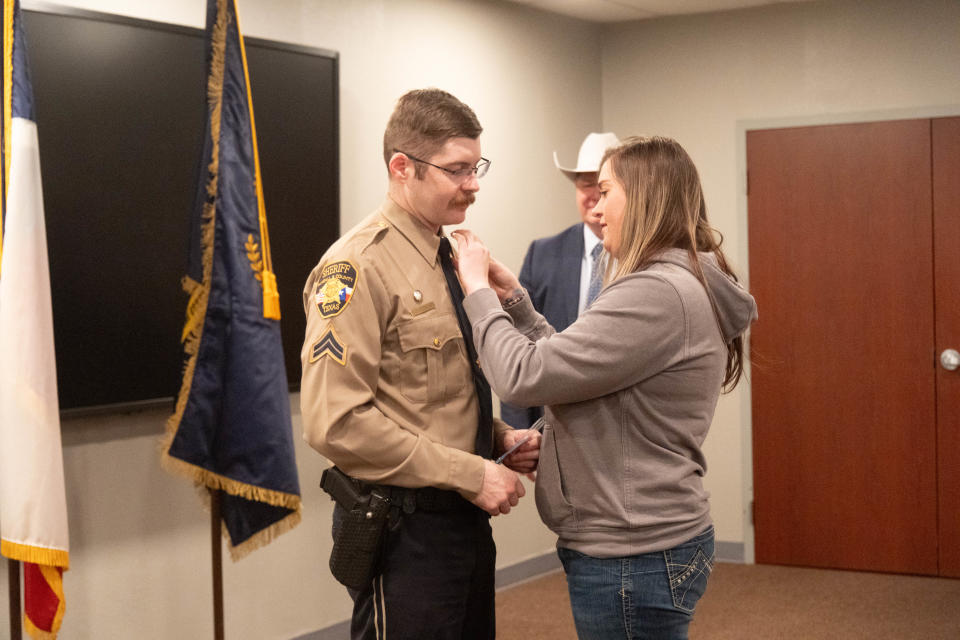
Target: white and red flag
{"x":33,"y":506}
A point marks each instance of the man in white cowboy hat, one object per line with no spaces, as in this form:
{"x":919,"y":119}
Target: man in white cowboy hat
{"x":557,"y":271}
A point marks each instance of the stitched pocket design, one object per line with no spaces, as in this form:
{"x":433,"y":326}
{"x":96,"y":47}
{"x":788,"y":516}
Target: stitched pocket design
{"x":688,"y":580}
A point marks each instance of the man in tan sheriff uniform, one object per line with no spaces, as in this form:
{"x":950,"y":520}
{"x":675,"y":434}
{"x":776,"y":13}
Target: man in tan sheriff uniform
{"x":389,"y":393}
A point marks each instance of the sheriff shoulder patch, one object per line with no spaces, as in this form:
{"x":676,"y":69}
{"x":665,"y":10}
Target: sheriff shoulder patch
{"x":335,"y":288}
{"x":330,"y":345}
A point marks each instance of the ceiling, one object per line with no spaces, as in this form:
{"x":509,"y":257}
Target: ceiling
{"x":623,"y":10}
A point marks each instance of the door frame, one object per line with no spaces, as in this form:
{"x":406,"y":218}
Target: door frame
{"x":742,"y":258}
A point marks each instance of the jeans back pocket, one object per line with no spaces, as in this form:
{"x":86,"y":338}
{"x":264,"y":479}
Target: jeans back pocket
{"x":688,"y":569}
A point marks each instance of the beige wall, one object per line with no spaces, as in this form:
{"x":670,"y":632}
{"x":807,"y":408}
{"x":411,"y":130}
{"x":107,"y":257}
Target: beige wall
{"x":706,"y":79}
{"x":538,"y":82}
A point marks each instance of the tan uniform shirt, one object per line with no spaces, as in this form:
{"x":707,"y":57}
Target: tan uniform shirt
{"x":387,"y":393}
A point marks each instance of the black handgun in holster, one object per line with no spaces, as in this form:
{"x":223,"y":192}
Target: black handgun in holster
{"x":359,"y":539}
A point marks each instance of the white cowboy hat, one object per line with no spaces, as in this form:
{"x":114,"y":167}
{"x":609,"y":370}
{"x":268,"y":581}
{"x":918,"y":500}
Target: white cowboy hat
{"x":591,"y":152}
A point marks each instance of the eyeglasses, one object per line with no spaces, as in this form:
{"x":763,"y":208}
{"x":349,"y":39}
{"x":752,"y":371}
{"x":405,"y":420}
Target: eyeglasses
{"x":459,"y":174}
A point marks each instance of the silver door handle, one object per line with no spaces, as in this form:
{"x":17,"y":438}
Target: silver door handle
{"x":950,"y":359}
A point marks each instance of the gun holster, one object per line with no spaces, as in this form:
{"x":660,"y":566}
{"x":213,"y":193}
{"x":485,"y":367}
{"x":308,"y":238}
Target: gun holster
{"x":359,"y":538}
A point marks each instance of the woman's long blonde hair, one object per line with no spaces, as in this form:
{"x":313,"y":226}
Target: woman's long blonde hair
{"x":664,"y":210}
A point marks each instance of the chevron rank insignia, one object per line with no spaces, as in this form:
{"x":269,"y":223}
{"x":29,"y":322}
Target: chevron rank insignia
{"x":335,"y":288}
{"x":329,"y":345}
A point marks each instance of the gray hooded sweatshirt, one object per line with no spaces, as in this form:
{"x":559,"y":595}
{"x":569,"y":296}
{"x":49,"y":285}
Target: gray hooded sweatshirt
{"x":630,"y":391}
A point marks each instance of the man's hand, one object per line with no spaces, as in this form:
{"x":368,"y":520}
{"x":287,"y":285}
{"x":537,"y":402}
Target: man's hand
{"x":524,"y":459}
{"x":501,"y":489}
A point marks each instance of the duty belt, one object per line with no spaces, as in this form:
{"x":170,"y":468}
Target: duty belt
{"x":429,"y":499}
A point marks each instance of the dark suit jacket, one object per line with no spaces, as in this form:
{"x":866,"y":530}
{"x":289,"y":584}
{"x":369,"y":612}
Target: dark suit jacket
{"x":551,"y":276}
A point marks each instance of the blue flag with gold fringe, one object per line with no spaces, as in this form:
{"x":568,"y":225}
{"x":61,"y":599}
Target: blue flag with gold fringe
{"x":231,"y":430}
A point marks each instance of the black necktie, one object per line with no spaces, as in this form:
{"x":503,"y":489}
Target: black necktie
{"x":484,"y":444}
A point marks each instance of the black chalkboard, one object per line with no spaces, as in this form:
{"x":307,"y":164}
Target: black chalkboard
{"x":120,"y":108}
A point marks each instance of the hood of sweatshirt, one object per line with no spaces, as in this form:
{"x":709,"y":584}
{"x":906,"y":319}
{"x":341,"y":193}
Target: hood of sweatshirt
{"x":736,"y":308}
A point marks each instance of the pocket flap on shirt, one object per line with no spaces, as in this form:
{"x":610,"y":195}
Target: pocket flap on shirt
{"x":428,"y":332}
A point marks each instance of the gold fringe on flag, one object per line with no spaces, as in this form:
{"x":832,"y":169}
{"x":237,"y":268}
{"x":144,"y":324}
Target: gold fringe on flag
{"x":263,"y":537}
{"x":200,"y":291}
{"x":34,"y":554}
{"x":210,"y":480}
{"x":207,"y":480}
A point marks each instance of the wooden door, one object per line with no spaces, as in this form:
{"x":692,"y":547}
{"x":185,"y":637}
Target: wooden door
{"x":843,"y":378}
{"x":946,"y":209}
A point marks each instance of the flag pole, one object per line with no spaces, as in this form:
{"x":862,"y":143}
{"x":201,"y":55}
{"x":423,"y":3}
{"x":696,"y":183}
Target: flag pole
{"x":216,"y":547}
{"x":13,"y":577}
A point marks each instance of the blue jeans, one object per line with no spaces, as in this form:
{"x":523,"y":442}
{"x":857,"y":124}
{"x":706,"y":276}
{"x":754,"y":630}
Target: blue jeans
{"x":649,"y":596}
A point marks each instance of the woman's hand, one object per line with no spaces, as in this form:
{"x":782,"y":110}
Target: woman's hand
{"x":502,"y":280}
{"x":479,"y":271}
{"x":473,"y":261}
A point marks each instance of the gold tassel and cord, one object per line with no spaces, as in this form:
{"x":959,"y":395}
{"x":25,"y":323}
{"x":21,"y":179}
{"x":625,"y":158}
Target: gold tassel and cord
{"x":271,"y":298}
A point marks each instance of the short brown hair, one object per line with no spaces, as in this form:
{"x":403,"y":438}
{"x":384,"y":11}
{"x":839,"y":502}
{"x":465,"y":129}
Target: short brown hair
{"x":423,"y":120}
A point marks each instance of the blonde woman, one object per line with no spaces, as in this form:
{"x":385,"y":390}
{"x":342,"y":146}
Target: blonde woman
{"x":630,"y":391}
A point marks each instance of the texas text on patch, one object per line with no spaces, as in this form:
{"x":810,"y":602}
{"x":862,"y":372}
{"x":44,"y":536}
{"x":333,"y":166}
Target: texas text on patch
{"x":335,"y":288}
{"x":329,"y":345}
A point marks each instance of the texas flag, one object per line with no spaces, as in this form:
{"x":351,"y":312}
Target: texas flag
{"x":33,"y":506}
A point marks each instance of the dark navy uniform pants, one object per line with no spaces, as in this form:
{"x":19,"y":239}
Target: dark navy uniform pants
{"x":437,"y":580}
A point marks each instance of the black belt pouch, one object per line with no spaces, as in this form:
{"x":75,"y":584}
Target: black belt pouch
{"x":359,"y":540}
